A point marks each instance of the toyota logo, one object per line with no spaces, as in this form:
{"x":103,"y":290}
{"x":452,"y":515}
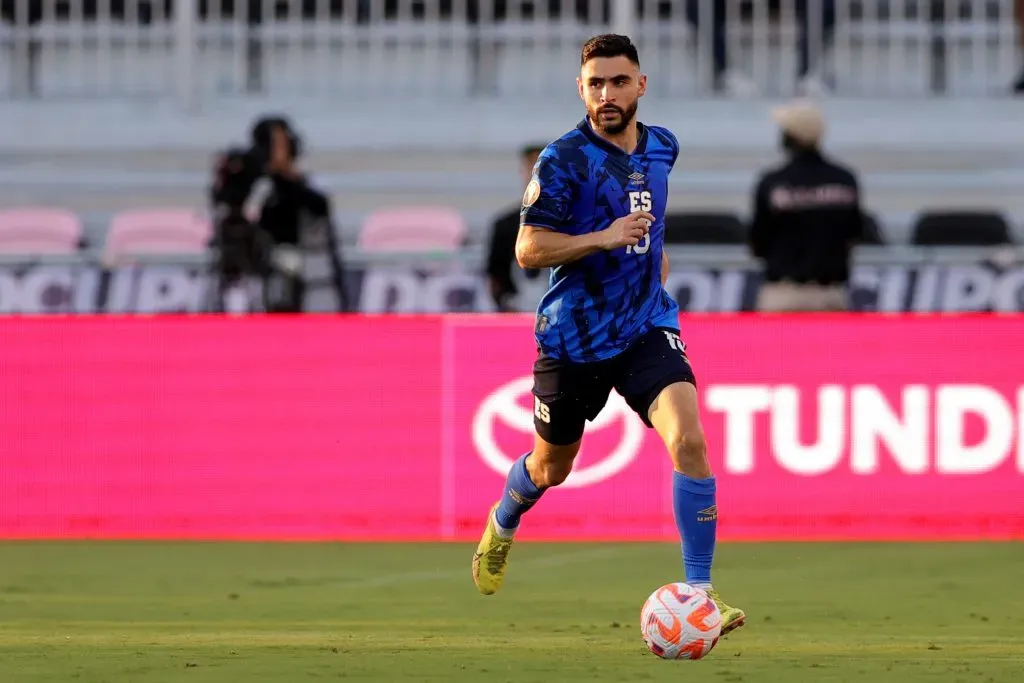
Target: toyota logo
{"x":502,"y":404}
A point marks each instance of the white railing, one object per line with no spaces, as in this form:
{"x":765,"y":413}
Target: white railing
{"x":354,"y":50}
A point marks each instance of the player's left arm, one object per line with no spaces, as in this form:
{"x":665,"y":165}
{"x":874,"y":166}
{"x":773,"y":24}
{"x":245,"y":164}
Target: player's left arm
{"x":673,"y":143}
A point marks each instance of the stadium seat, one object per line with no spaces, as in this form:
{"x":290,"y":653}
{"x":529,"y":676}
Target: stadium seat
{"x":871,"y":232}
{"x":704,"y":228}
{"x":961,"y":228}
{"x":414,"y":228}
{"x":32,"y":230}
{"x":157,"y":231}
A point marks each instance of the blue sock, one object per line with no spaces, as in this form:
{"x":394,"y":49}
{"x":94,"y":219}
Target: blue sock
{"x":519,"y":496}
{"x":697,"y":520}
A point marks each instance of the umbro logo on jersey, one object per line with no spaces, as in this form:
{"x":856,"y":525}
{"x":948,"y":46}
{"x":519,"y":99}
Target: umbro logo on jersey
{"x":637,"y":178}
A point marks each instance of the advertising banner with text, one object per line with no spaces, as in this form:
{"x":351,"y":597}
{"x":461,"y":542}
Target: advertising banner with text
{"x":453,"y":288}
{"x":377,"y":428}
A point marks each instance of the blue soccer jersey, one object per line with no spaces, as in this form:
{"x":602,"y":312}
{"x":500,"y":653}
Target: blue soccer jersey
{"x":597,"y":306}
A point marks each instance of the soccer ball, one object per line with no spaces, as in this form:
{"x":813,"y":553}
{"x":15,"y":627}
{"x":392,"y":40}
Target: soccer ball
{"x":679,"y":621}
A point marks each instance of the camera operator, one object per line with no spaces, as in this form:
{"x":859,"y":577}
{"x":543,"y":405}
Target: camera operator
{"x":293,"y":216}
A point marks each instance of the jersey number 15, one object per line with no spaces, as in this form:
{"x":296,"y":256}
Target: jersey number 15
{"x":640,"y":201}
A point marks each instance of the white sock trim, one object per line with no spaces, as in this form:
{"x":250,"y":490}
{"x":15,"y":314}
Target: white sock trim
{"x":502,"y":531}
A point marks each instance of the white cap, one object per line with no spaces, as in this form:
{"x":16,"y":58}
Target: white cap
{"x":802,"y":120}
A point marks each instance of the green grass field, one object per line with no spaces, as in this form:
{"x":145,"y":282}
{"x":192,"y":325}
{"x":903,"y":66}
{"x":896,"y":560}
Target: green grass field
{"x":155,"y":612}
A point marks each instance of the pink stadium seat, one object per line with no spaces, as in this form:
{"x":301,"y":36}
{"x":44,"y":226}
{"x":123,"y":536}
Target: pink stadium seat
{"x":37,"y":230}
{"x":413,"y":228}
{"x":158,"y":231}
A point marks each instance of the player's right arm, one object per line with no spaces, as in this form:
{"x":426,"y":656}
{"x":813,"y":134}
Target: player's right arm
{"x":547,"y":232}
{"x":539,"y":247}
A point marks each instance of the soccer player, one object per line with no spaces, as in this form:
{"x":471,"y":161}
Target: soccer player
{"x":594,"y":212}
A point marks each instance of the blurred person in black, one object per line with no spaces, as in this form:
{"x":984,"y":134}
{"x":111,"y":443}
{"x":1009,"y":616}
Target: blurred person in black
{"x":502,"y":268}
{"x":807,"y":217}
{"x":292,"y":216}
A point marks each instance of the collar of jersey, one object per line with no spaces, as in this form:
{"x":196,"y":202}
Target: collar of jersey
{"x":641,"y":140}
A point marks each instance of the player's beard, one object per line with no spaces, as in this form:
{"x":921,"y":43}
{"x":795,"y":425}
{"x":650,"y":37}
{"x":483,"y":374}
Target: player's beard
{"x":624,"y":120}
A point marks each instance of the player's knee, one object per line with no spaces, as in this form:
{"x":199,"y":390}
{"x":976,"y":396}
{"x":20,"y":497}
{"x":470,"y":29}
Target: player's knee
{"x":689,"y":452}
{"x":547,"y":472}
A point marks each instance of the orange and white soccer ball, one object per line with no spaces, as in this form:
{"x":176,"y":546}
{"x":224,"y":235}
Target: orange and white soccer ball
{"x":680,"y":621}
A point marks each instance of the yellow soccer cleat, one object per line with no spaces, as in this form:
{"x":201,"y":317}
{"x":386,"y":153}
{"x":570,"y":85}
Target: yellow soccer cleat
{"x":732,"y":617}
{"x":491,"y":558}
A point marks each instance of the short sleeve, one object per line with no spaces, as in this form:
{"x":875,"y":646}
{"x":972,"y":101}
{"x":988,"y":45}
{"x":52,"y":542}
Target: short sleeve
{"x":667,"y":140}
{"x":547,"y":202}
{"x":674,"y":145}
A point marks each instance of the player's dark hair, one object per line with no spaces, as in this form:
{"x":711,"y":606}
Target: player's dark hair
{"x":609,"y":45}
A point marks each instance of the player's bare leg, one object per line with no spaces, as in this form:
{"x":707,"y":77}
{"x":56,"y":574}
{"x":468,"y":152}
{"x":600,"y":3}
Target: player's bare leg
{"x":675,"y":414}
{"x":546,"y":466}
{"x":550,"y":465}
